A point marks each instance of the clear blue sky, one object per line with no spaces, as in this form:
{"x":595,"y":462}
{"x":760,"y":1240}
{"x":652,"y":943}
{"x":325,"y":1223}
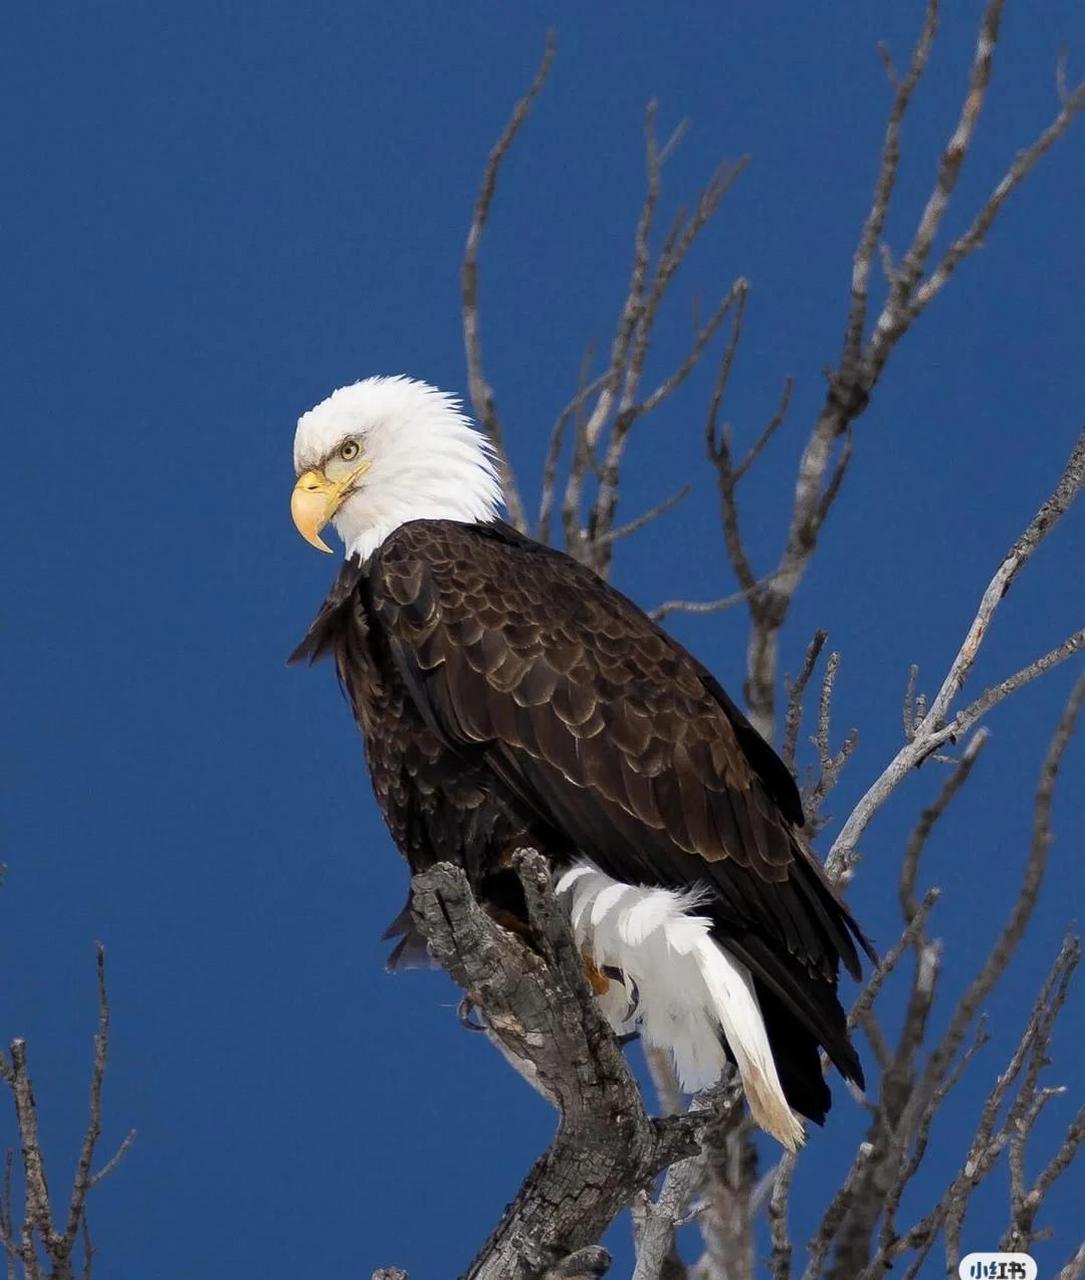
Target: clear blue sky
{"x":216,"y":214}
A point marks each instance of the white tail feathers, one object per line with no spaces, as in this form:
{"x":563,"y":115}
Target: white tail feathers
{"x":681,"y":987}
{"x":735,"y":1003}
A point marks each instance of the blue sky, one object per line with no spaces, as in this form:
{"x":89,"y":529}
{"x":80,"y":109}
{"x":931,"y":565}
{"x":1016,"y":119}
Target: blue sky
{"x":216,"y":214}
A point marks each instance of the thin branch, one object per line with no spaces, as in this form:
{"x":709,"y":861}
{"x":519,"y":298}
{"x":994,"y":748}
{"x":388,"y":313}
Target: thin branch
{"x":1050,"y":513}
{"x":779,"y":1208}
{"x":718,"y":444}
{"x":910,"y":1099}
{"x":630,"y":409}
{"x":661,"y":611}
{"x":974,"y":237}
{"x":657,"y":1220}
{"x":928,"y":818}
{"x":883,"y":189}
{"x":1075,"y":1267}
{"x":951,"y":160}
{"x":830,"y":764}
{"x":635,"y":526}
{"x":773,"y":425}
{"x":864,"y":1002}
{"x":572,"y":411}
{"x":115,"y":1159}
{"x":935,"y":727}
{"x":796,"y":693}
{"x":482,"y":395}
{"x":834,"y":1214}
{"x":999,"y":956}
{"x":997,"y":693}
{"x":39,"y":1219}
{"x":82,"y":1180}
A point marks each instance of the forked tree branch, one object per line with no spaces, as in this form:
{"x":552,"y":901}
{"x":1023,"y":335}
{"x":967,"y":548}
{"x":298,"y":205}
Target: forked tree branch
{"x":827,"y":453}
{"x":40,"y":1244}
{"x":937,"y":726}
{"x":535,"y":999}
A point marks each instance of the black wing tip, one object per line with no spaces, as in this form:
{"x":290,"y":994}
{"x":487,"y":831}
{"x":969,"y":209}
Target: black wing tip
{"x":313,"y":649}
{"x":849,"y":956}
{"x":816,"y":1115}
{"x":410,"y":952}
{"x":868,"y":947}
{"x":301,"y":653}
{"x":845,"y":1057}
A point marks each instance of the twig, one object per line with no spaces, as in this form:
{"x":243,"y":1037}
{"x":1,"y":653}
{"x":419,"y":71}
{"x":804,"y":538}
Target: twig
{"x":39,"y":1220}
{"x":973,"y":238}
{"x":82,"y":1180}
{"x":997,"y":693}
{"x":935,"y":727}
{"x":865,"y":1000}
{"x":482,"y":395}
{"x":927,"y":820}
{"x":115,"y":1159}
{"x":796,"y":693}
{"x":1023,"y":906}
{"x":883,"y":190}
{"x":572,"y":410}
{"x":949,"y":168}
{"x":834,"y":1214}
{"x":1075,"y":1267}
{"x":635,"y":526}
{"x":668,"y":607}
{"x":830,"y":764}
{"x":779,"y":1204}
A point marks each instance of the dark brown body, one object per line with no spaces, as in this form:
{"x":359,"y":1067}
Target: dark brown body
{"x":508,"y":696}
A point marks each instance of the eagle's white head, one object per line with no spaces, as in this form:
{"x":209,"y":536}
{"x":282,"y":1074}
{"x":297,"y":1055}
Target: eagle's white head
{"x":384,"y":451}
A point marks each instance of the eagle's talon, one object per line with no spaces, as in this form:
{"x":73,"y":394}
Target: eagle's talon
{"x":464,"y":1010}
{"x":597,"y":978}
{"x":630,"y":983}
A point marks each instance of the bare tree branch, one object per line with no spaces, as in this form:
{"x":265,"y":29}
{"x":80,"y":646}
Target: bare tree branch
{"x":668,"y":607}
{"x":826,"y":456}
{"x":656,"y":1221}
{"x":936,"y":728}
{"x":796,"y":693}
{"x":482,"y":394}
{"x":830,"y":763}
{"x":661,"y":508}
{"x":909,"y":1126}
{"x":39,"y":1229}
{"x":930,"y":815}
{"x":870,"y":236}
{"x":536,"y":1000}
{"x":912,"y":930}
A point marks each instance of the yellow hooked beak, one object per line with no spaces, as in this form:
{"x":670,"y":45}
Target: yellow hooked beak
{"x":316,"y":498}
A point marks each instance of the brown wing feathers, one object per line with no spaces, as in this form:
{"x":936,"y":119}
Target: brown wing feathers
{"x":620,"y":739}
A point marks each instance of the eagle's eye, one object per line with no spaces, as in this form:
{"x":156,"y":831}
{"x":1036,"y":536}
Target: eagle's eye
{"x":349,"y":450}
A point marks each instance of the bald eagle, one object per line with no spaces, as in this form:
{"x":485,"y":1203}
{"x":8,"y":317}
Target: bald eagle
{"x":508,"y":697}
